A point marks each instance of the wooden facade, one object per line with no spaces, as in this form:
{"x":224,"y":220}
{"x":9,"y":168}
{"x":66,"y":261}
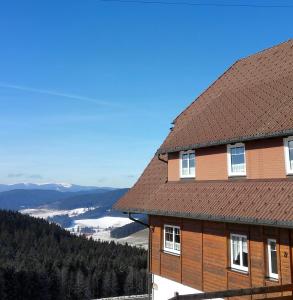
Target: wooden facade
{"x":204,"y":262}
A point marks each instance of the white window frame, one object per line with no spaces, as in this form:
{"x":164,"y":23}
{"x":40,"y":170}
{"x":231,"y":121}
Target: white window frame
{"x":289,"y":170}
{"x":181,"y":155}
{"x":271,"y":274}
{"x":238,"y":267}
{"x":229,"y":147}
{"x":177,"y":252}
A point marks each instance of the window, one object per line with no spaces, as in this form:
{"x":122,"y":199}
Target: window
{"x":236,"y":160}
{"x":288,"y":143}
{"x":239,"y":252}
{"x":172,"y":239}
{"x":187,"y":164}
{"x":272,"y":259}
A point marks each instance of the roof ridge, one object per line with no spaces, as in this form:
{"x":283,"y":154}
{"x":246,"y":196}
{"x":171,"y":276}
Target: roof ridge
{"x":205,"y":90}
{"x":228,"y":69}
{"x":265,"y":50}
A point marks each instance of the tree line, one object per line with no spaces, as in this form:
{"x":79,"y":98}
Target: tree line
{"x":42,"y":261}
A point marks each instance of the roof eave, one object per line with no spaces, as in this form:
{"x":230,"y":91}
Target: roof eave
{"x":216,"y":218}
{"x":281,"y":133}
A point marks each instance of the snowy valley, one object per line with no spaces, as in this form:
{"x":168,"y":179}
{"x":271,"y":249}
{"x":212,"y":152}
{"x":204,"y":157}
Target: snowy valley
{"x":80,"y":210}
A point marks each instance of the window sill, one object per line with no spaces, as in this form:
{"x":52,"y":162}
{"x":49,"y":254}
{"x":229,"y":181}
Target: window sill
{"x":236,"y":176}
{"x":171,"y":253}
{"x":268,"y":278}
{"x":238,"y":271}
{"x":187,"y":177}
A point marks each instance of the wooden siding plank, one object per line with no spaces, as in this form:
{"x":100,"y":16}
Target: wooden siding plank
{"x":214,"y":256}
{"x":192,"y":254}
{"x":171,"y":267}
{"x":285,"y":264}
{"x":156,"y":245}
{"x":257,"y":258}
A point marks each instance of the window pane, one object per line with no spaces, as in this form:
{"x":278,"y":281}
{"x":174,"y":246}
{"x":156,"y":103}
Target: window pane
{"x":239,"y":150}
{"x":177,"y":235}
{"x":169,"y":237}
{"x":172,"y":238}
{"x":177,"y":239}
{"x":192,"y":164}
{"x":274,"y":265}
{"x":191,"y":156}
{"x":169,"y":245}
{"x":185,"y":164}
{"x":290,"y":147}
{"x":185,"y":161}
{"x":244,"y":252}
{"x":188,"y":164}
{"x":192,"y":160}
{"x":236,"y":250}
{"x":185,"y":171}
{"x":237,"y":160}
{"x":169,"y":233}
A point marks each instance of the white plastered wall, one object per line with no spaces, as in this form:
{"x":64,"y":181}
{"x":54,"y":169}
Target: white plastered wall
{"x":164,"y":289}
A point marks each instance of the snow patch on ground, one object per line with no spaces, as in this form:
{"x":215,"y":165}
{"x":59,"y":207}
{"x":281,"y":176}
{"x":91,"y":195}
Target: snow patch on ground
{"x":103,"y":223}
{"x":98,"y":229}
{"x":45,"y":213}
{"x":138,"y":239}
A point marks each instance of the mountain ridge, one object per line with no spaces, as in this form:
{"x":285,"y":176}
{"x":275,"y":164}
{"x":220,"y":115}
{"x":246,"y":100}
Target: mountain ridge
{"x":23,"y":199}
{"x":60,"y":187}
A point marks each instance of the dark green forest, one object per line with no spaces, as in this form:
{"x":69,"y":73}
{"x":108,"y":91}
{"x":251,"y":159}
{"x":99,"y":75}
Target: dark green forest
{"x":40,"y":261}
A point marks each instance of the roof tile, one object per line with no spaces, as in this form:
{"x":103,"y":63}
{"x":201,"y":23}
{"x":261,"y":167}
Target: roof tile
{"x":249,"y":100}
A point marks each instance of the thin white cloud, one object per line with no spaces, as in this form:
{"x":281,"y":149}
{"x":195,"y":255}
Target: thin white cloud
{"x":36,"y":176}
{"x":55,"y":93}
{"x":15,"y":175}
{"x":23,"y":175}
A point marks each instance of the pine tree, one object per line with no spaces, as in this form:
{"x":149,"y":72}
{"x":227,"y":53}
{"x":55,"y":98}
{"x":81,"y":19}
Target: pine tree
{"x":130,"y":286}
{"x":2,"y":286}
{"x":42,"y":261}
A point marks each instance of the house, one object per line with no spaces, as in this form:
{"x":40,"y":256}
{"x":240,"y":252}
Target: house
{"x":219,"y":190}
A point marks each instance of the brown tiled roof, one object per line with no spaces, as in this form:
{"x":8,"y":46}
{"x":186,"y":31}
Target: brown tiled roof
{"x":251,"y":100}
{"x":152,"y":178}
{"x":262,"y":202}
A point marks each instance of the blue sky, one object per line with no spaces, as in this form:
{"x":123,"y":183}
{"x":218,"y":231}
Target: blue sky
{"x":88,"y":89}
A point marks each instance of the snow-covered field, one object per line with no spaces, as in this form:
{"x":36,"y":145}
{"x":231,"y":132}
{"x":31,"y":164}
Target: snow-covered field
{"x":103,"y":223}
{"x":45,"y":213}
{"x":99,"y":228}
{"x":138,"y":239}
{"x":102,"y":228}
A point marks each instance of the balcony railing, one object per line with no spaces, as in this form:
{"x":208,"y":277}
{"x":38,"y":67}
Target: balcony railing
{"x":239,"y":293}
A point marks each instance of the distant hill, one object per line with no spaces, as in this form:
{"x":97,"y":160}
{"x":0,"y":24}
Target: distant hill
{"x":102,"y":202}
{"x":128,"y":229}
{"x":60,"y":187}
{"x":41,"y":261}
{"x":94,"y":199}
{"x":20,"y":199}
